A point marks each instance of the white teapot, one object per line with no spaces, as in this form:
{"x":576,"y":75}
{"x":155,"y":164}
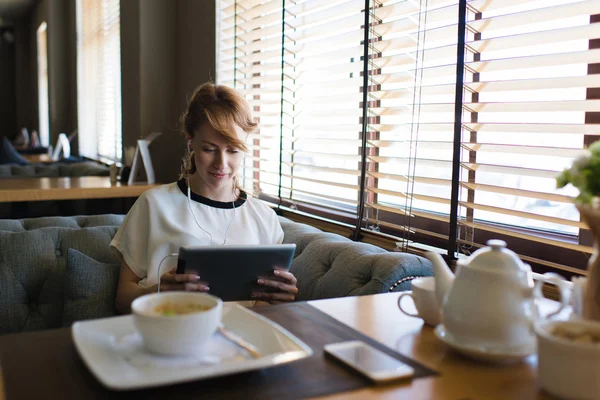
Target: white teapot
{"x":491,"y":303}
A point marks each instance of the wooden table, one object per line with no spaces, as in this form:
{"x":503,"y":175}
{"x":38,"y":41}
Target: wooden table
{"x":378,"y":317}
{"x":37,"y":158}
{"x":460,"y":378}
{"x":86,"y":187}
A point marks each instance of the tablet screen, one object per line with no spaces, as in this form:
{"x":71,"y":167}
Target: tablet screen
{"x":231,"y":272}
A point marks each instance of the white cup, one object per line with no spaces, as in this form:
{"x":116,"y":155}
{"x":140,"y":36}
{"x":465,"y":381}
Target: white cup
{"x":423,"y":295}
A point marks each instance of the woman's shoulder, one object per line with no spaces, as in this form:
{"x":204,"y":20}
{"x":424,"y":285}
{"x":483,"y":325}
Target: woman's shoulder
{"x":161,"y":191}
{"x":158,"y":197}
{"x":259,"y":206}
{"x":268,"y":220}
{"x":157,"y":202}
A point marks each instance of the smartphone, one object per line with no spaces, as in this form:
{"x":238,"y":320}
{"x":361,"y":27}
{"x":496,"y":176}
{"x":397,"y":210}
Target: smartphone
{"x":369,"y":361}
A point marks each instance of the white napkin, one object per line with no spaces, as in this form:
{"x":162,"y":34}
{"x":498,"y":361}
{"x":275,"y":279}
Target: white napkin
{"x":217,"y":350}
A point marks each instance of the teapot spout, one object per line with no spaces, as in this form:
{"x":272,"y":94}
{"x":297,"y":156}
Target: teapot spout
{"x":444,"y":278}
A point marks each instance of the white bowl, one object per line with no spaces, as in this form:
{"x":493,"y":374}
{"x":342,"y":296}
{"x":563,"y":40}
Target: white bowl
{"x":569,"y":369}
{"x":178,"y":334}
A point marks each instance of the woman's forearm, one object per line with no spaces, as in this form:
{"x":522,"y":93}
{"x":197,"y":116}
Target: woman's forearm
{"x":127,"y":293}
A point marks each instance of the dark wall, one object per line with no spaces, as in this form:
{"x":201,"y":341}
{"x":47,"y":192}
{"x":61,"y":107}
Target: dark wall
{"x":8,"y":109}
{"x":62,"y":73}
{"x":130,"y":72}
{"x":195,"y":62}
{"x":158,"y":80}
{"x":168,"y":48}
{"x":196,"y":49}
{"x":25,"y":80}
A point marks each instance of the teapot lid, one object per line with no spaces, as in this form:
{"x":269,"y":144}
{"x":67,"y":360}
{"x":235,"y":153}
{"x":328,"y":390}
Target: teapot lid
{"x":496,"y":256}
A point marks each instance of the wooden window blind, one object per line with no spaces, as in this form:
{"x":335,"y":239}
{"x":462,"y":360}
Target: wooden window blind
{"x":306,"y":95}
{"x":413,"y":76}
{"x":500,"y":91}
{"x":526,"y":78}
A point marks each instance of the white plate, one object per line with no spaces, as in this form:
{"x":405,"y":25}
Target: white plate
{"x":481,"y":353}
{"x":114,"y":352}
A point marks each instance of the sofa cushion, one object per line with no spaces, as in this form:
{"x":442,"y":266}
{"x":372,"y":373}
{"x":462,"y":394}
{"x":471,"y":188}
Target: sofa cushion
{"x":302,"y":234}
{"x":329,"y":265}
{"x":57,"y":169}
{"x":30,"y":281}
{"x":28,"y":171}
{"x":90,"y":288}
{"x":78,"y":221}
{"x":82,"y":169}
{"x":10,"y":155}
{"x":329,"y":269}
{"x":32,"y":269}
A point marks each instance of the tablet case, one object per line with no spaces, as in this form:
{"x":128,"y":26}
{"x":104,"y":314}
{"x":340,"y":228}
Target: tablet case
{"x":231,"y":272}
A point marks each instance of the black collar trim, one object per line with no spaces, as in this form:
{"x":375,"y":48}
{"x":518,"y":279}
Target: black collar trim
{"x":182,"y":184}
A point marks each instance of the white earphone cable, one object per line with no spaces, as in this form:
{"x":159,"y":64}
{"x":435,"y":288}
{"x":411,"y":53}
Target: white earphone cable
{"x":189,"y":201}
{"x":160,"y":265}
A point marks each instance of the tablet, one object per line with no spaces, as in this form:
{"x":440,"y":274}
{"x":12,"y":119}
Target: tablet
{"x":231,"y":272}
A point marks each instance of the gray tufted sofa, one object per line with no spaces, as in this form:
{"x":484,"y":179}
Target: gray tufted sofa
{"x":56,"y":169}
{"x":33,"y":264}
{"x":329,"y":265}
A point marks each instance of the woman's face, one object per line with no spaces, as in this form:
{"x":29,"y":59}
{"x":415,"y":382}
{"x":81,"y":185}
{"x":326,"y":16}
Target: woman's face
{"x":217,"y":161}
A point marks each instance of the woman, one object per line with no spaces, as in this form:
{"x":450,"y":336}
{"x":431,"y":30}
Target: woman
{"x":205,"y":207}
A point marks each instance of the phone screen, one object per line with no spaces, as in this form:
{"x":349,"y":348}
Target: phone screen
{"x":371,"y":359}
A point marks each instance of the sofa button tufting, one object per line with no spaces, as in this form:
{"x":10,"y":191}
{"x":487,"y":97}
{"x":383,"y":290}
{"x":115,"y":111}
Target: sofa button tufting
{"x":33,"y":305}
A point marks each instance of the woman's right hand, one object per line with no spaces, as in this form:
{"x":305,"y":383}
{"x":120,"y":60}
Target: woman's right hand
{"x":186,"y":282}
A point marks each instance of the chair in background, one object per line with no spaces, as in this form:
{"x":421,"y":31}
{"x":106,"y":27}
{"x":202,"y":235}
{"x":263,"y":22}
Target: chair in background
{"x":62,"y":145}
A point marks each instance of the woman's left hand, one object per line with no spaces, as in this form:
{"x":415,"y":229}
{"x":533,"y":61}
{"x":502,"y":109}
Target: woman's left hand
{"x":286,"y":288}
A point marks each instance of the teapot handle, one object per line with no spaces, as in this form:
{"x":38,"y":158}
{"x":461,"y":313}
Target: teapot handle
{"x":561,"y":284}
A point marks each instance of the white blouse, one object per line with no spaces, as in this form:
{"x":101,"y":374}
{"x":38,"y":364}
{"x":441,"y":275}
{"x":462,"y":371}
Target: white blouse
{"x":160,"y":222}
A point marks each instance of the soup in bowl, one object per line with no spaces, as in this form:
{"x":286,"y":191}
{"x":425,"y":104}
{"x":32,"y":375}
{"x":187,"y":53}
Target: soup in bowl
{"x":176,"y":323}
{"x":172,"y":309}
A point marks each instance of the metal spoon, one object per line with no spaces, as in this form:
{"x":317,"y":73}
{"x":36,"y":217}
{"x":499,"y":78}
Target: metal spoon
{"x":234,"y":338}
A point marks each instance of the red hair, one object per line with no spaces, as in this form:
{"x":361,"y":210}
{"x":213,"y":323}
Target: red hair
{"x":222,"y":107}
